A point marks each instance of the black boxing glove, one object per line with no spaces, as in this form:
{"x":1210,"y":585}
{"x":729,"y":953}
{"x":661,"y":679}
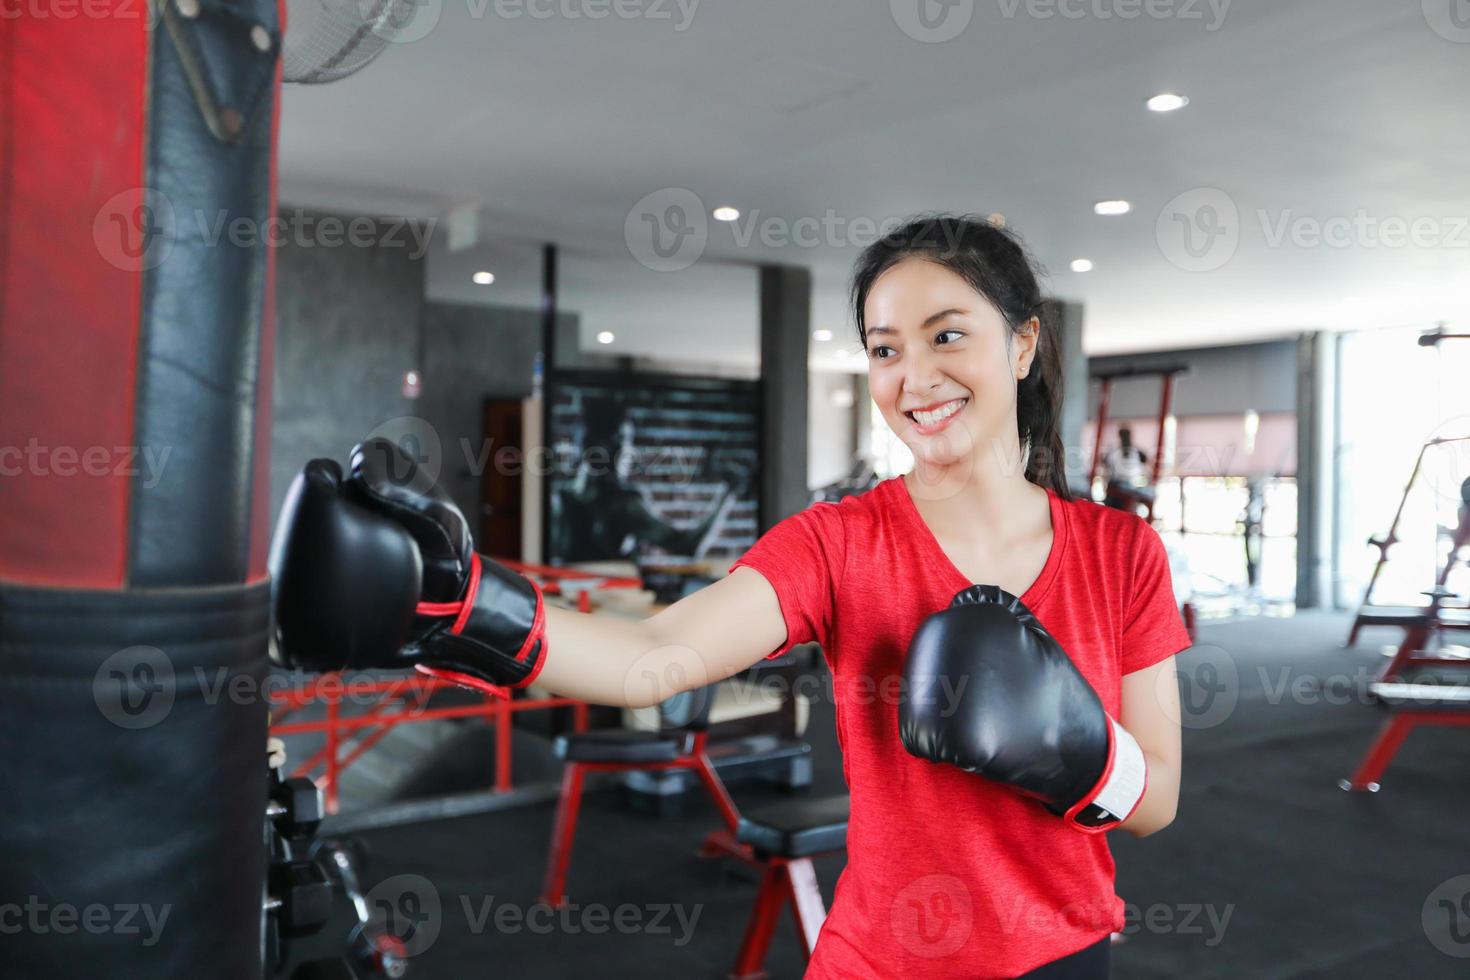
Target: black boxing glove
{"x":986,"y":688}
{"x":345,"y":582}
{"x":480,"y":624}
{"x":473,"y":621}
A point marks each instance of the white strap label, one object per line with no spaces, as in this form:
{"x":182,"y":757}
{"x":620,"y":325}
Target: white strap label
{"x":1121,"y":792}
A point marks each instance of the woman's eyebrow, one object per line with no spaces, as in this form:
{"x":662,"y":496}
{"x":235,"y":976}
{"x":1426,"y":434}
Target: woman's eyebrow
{"x":929,"y":322}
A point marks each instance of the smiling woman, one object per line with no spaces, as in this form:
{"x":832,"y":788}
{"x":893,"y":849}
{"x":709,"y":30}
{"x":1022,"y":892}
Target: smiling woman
{"x":949,"y":312}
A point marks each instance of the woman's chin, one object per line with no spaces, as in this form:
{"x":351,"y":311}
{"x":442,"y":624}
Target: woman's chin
{"x":926,"y":454}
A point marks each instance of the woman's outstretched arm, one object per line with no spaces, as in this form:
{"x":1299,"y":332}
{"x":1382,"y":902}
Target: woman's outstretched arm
{"x":704,"y":637}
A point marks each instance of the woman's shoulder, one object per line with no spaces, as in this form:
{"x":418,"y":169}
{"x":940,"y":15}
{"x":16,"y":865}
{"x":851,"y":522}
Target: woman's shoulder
{"x":876,"y":499}
{"x":1106,"y":525}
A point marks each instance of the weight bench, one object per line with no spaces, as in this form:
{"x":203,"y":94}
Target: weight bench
{"x":783,"y":839}
{"x":1412,"y":705}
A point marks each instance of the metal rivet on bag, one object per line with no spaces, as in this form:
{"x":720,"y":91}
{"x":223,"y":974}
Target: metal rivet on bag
{"x":189,"y":8}
{"x":260,"y":37}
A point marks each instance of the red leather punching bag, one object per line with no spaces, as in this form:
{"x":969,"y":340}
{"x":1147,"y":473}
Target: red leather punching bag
{"x":135,"y":345}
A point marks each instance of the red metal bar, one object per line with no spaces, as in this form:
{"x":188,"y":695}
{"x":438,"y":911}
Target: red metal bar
{"x":368,"y":741}
{"x":750,"y":964}
{"x":462,"y":711}
{"x":502,"y":745}
{"x":409,"y":694}
{"x":716,"y":789}
{"x":333,"y":713}
{"x":722,"y":843}
{"x":1391,"y":738}
{"x":553,"y":890}
{"x":311,"y":763}
{"x":556,"y":573}
{"x":1166,"y":405}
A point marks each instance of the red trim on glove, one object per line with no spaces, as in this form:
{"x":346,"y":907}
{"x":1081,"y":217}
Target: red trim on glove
{"x":538,"y":627}
{"x":1071,"y":815}
{"x":464,"y":680}
{"x":461,"y":610}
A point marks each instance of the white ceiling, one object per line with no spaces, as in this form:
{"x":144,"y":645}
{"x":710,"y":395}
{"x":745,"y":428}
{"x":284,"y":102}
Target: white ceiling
{"x":552,"y":128}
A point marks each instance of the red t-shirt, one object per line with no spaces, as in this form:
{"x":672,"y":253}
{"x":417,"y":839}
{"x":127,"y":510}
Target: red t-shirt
{"x":950,"y":874}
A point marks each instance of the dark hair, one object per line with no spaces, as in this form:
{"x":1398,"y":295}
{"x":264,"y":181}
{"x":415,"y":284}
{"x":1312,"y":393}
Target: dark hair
{"x":994,"y":261}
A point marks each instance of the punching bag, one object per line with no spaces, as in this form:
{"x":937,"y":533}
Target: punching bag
{"x":136,"y":180}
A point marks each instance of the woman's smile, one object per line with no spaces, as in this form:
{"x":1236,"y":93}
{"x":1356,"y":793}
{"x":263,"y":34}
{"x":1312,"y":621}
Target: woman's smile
{"x":935,"y":418}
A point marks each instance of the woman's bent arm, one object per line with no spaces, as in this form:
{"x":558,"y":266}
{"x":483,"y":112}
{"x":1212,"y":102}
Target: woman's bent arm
{"x":1151,"y":715}
{"x":704,"y":637}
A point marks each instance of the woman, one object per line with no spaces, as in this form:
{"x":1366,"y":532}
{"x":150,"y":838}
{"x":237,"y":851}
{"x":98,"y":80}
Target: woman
{"x":949,"y":873}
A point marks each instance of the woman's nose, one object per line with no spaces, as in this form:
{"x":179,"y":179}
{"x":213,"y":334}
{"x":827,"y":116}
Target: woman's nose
{"x":922,"y":375}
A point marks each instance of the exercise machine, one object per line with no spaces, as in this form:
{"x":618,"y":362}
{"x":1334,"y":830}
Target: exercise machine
{"x":1404,"y":617}
{"x":1412,"y":703}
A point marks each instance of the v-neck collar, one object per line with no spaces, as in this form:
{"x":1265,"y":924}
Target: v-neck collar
{"x":1037,"y":590}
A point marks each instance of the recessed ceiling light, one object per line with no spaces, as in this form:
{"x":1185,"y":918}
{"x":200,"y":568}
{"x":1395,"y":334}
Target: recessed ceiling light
{"x":1111,"y":208}
{"x":822,"y":335}
{"x":1167,"y":102}
{"x":844,"y":352}
{"x":1081,"y":265}
{"x":725,"y":213}
{"x":483,"y":278}
{"x":605,"y":337}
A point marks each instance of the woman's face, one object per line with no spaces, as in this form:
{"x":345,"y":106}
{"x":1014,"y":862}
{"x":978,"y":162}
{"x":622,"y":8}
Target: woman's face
{"x":939,"y":367}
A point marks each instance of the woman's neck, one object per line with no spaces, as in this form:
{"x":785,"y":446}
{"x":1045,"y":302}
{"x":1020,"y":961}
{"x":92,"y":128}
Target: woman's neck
{"x":971,"y":501}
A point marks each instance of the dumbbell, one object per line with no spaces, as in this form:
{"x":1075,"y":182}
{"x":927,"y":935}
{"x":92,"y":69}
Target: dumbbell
{"x":300,"y":898}
{"x":295,"y":807}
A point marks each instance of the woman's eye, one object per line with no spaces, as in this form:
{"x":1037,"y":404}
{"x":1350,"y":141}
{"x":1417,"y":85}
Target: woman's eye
{"x":957,"y":333}
{"x":873,"y":352}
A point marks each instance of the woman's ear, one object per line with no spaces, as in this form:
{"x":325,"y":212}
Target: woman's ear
{"x":1028,"y":340}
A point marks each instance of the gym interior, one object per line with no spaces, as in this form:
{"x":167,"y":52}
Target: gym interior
{"x":587,"y":265}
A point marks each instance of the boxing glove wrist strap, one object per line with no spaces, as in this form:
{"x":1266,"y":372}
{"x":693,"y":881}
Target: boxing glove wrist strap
{"x":492,"y":641}
{"x":1120,"y":789}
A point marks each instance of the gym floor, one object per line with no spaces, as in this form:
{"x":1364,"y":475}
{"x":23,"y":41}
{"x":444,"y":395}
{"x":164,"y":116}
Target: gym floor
{"x":1270,"y":870}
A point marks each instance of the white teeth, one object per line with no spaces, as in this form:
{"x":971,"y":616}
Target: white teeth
{"x":939,"y":414}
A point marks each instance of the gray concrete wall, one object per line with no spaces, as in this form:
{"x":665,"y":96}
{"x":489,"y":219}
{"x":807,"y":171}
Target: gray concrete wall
{"x":346,"y":331}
